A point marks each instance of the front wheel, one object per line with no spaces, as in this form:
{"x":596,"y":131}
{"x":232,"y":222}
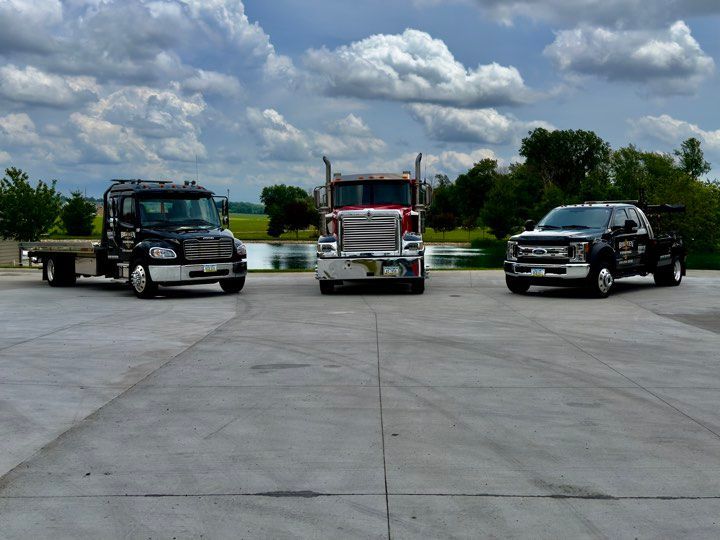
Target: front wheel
{"x":141,"y":282}
{"x":327,"y":286}
{"x":601,"y":280}
{"x":232,"y":286}
{"x":671,"y":277}
{"x":517,"y":285}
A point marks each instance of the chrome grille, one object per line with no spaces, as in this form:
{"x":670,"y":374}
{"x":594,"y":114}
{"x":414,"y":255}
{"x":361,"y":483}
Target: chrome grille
{"x":361,"y":234}
{"x":218,"y":248}
{"x":543,"y":251}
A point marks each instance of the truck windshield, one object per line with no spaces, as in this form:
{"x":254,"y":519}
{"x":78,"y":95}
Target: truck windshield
{"x":371,"y":192}
{"x":576,"y":218}
{"x":179,"y":212}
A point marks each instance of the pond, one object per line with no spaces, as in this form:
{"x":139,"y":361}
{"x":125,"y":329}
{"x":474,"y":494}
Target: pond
{"x":279,"y":256}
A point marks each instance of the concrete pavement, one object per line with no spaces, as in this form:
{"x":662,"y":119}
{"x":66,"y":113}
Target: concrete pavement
{"x":466,"y":412}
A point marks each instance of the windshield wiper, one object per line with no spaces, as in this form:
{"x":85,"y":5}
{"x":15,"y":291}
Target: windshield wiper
{"x":548,"y":227}
{"x":576,"y":227}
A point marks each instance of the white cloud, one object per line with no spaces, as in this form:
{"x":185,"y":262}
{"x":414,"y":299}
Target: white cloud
{"x":668,"y":61}
{"x":348,"y":137}
{"x":18,"y":130}
{"x":279,"y":140}
{"x":212,"y":82}
{"x":471,"y":125}
{"x":672,"y":131}
{"x":105,"y":142}
{"x":621,"y":13}
{"x":412,"y":67}
{"x":35,"y":87}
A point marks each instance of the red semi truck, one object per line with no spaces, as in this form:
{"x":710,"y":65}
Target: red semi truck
{"x":371,"y":228}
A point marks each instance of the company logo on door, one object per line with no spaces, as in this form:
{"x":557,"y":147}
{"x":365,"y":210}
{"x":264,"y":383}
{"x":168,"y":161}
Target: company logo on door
{"x":626,"y":245}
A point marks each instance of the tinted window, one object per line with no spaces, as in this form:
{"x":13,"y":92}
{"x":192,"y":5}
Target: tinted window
{"x":619,"y":218}
{"x":371,"y":192}
{"x":127,"y":212}
{"x":576,"y":218}
{"x":179,"y":212}
{"x":632,"y":214}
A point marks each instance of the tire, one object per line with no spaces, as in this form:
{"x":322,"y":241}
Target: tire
{"x":327,"y":286}
{"x":60,"y":271}
{"x":601,"y":280}
{"x":232,"y":286}
{"x":141,"y":282}
{"x":517,"y":285}
{"x":671,"y":277}
{"x":417,"y":286}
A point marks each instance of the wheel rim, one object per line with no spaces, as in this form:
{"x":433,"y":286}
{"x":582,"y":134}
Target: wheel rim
{"x":605,"y":281}
{"x":677,"y":270}
{"x":51,"y":270}
{"x":139,"y":278}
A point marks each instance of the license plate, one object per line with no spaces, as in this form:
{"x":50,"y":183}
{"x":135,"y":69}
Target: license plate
{"x":209,"y":267}
{"x":391,"y":271}
{"x":537,"y":272}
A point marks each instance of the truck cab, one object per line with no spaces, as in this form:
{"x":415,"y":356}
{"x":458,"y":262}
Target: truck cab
{"x":593,"y":244}
{"x":154,"y":233}
{"x":371,"y":228}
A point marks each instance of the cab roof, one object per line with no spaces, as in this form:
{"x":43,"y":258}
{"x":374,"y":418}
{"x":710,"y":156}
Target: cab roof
{"x":371,"y":176}
{"x":596,"y":204}
{"x":157,"y":186}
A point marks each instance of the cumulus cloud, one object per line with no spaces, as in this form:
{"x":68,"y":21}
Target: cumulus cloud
{"x":413,"y":67}
{"x":18,"y":130}
{"x":672,"y":131}
{"x":619,"y":13}
{"x":35,"y":87}
{"x":212,"y":82}
{"x":471,"y":125}
{"x":348,"y":137}
{"x":668,"y":61}
{"x":279,"y":139}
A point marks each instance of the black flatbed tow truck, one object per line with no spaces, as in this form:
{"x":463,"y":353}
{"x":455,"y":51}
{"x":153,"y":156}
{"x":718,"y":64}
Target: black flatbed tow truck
{"x":592,"y":245}
{"x":154,"y":233}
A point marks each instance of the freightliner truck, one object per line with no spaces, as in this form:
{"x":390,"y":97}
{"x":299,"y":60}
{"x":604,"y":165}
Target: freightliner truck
{"x":154,"y":233}
{"x":592,"y":245}
{"x":371,"y":228}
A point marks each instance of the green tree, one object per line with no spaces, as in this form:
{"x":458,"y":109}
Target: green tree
{"x":280,"y":205}
{"x":443,"y":213}
{"x":515,"y":197}
{"x":565,"y":159}
{"x":78,"y":215}
{"x":471,"y":189}
{"x":691,"y":158}
{"x":26,"y":212}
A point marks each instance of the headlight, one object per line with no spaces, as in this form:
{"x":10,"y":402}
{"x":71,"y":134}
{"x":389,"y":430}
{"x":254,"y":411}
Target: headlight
{"x":327,"y":246}
{"x":511,"y":252}
{"x":162,"y":253}
{"x":412,"y":242}
{"x":240,"y":249}
{"x":579,"y":251}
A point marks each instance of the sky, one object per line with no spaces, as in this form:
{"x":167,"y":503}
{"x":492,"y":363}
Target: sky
{"x":247,"y":93}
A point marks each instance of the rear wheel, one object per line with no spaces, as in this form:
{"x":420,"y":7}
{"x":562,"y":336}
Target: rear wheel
{"x":601,"y":280}
{"x":672,"y":277}
{"x":141,"y":282}
{"x":417,"y":286}
{"x":60,"y":271}
{"x":516,"y":284}
{"x":232,"y":286}
{"x":327,"y":286}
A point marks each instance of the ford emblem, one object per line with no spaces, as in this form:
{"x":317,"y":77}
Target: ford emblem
{"x":539,"y":251}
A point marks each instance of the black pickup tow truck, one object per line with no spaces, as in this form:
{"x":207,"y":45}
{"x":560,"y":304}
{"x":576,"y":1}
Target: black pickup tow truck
{"x":154,"y":233}
{"x":592,"y":245}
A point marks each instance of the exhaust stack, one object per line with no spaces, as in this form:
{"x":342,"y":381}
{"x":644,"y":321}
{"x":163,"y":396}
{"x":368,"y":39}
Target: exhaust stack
{"x":418,"y":159}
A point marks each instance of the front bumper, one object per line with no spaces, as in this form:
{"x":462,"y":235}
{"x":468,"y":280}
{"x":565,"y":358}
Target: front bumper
{"x":191,"y":273}
{"x":351,"y":268}
{"x":552,"y":271}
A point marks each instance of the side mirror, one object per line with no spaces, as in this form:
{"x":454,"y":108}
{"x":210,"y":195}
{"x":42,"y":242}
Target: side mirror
{"x":630,"y":225}
{"x":320,"y":196}
{"x":224,"y":209}
{"x":529,"y":225}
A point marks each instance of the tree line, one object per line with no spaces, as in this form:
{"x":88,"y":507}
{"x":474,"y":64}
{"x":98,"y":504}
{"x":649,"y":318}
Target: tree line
{"x":568,"y":167}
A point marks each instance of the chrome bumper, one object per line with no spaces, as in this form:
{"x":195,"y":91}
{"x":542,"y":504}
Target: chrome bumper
{"x":196,"y":272}
{"x":552,"y":271}
{"x":345,"y":268}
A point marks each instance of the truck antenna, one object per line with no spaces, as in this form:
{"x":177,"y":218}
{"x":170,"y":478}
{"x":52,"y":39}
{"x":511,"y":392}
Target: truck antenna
{"x":197,"y":178}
